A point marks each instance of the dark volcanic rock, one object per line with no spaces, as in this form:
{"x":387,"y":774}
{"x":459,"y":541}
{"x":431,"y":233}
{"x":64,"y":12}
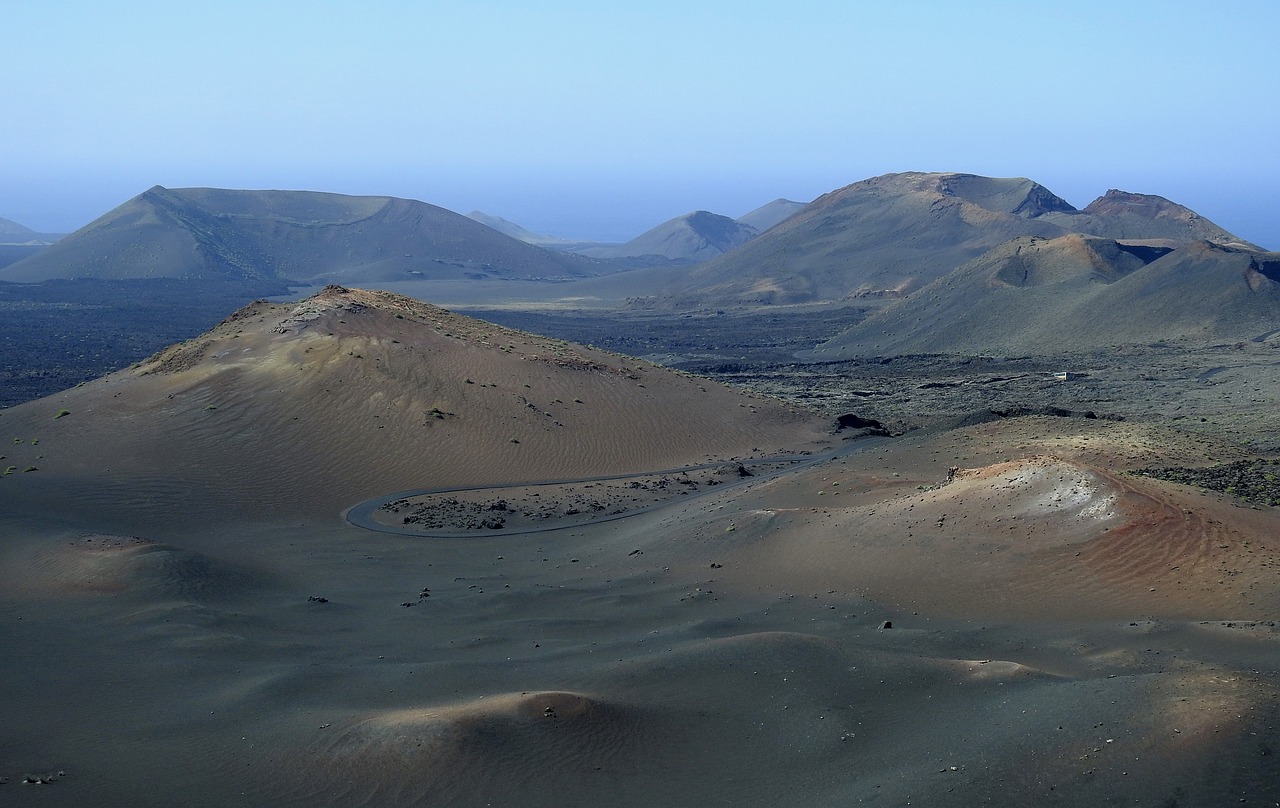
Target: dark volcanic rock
{"x":851,"y":421}
{"x":987,"y":416}
{"x":1252,"y":480}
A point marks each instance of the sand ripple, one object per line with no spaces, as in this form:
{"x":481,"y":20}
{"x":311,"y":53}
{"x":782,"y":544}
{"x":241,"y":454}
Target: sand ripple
{"x":105,"y":563}
{"x":498,"y":746}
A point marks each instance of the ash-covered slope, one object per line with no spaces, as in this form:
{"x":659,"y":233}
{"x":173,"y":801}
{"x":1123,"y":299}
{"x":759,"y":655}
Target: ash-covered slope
{"x":1041,"y":296}
{"x":686,"y":239}
{"x":355,"y":393}
{"x":302,"y":236}
{"x":888,"y":236}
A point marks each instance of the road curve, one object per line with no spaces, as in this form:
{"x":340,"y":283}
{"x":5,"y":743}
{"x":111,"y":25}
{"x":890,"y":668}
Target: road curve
{"x":361,"y":514}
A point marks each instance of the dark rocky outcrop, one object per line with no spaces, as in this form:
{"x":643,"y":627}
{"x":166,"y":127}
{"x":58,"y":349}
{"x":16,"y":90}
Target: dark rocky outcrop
{"x":863,"y":427}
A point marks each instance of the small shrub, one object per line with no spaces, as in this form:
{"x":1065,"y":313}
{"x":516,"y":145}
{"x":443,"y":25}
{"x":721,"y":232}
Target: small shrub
{"x":62,"y":414}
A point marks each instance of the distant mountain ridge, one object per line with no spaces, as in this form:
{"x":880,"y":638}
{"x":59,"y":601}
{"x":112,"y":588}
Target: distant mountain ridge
{"x":690,"y":238}
{"x":301,"y":236}
{"x":771,"y":214}
{"x":12,"y":233}
{"x":686,"y":239}
{"x":18,"y":242}
{"x":948,"y":261}
{"x":890,"y":235}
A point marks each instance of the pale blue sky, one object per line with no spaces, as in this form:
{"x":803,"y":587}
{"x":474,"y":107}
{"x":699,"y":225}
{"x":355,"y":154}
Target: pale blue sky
{"x":589,"y":120}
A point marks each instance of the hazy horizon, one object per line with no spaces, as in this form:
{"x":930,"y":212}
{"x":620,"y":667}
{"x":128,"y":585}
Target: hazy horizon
{"x":598,"y":123}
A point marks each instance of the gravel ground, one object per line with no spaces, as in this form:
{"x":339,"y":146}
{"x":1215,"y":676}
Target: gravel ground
{"x":1228,"y":392}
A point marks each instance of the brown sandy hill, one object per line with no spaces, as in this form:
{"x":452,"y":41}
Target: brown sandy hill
{"x":1077,"y":293}
{"x":1044,"y":536}
{"x":348,"y":394}
{"x":1044,"y":262}
{"x":1026,"y":519}
{"x":215,"y":233}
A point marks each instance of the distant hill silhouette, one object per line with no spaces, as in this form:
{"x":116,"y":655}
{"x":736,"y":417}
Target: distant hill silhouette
{"x":686,"y":239}
{"x":300,"y":236}
{"x":516,"y":231}
{"x":888,"y":236}
{"x":12,"y":233}
{"x":768,"y":215}
{"x":18,"y":242}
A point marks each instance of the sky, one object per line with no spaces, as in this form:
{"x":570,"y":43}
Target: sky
{"x":599,"y":120}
